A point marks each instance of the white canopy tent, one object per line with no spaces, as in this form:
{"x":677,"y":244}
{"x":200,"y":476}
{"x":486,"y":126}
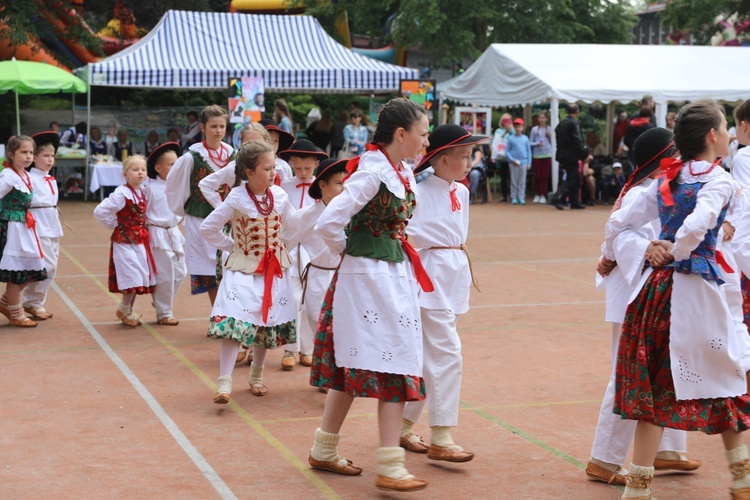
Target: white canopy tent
{"x":523,"y":74}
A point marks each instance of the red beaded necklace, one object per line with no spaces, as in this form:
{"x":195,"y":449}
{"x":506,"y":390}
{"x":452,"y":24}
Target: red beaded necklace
{"x":220,"y":156}
{"x":140,"y":197}
{"x":24,"y":177}
{"x":713,"y":166}
{"x":403,"y":179}
{"x":268,"y":201}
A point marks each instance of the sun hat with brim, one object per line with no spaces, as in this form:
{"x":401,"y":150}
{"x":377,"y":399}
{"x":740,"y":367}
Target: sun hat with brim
{"x":302,"y":147}
{"x":649,"y":149}
{"x":445,"y":137}
{"x":325,"y":170}
{"x":285,"y":138}
{"x":156,"y":154}
{"x":49,"y":137}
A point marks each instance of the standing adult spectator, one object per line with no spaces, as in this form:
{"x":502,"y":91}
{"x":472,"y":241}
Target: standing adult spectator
{"x":541,"y":148}
{"x":618,"y":132}
{"x":282,"y":117}
{"x":355,"y":134}
{"x":670,"y":120}
{"x":499,"y":144}
{"x":647,"y":102}
{"x":570,"y":149}
{"x":337,"y":134}
{"x":319,"y":132}
{"x":192,"y":134}
{"x":636,"y":127}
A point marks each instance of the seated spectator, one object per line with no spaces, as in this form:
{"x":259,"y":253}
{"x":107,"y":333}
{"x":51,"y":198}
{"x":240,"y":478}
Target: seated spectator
{"x":123,"y":148}
{"x":173,"y":135}
{"x":97,"y":146}
{"x":151,"y":143}
{"x":476,"y":173}
{"x":54,"y":126}
{"x":614,"y":182}
{"x":74,"y":135}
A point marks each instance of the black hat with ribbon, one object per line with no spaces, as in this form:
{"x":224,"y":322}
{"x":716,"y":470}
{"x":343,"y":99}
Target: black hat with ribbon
{"x":649,"y":149}
{"x":325,"y":170}
{"x":49,"y":137}
{"x":445,"y":137}
{"x":302,"y":147}
{"x":156,"y":154}
{"x":285,"y":138}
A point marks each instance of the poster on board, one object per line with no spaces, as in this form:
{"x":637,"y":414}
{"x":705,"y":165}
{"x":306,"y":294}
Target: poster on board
{"x":246,"y":99}
{"x":422,"y":92}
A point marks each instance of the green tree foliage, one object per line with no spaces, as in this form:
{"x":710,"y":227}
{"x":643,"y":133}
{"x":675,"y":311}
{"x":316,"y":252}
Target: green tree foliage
{"x":699,"y":16}
{"x":452,"y":29}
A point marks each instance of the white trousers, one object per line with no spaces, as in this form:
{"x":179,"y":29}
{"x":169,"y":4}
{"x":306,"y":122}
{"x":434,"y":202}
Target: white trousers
{"x":35,"y":293}
{"x":614,"y":435}
{"x":441,"y":369}
{"x":305,"y":335}
{"x":170,"y":273}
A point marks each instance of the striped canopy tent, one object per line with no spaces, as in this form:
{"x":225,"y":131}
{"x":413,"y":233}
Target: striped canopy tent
{"x":203,"y":50}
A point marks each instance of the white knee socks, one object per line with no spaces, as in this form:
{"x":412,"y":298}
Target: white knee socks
{"x":391,"y":463}
{"x":325,"y":446}
{"x":646,"y":473}
{"x":737,"y":458}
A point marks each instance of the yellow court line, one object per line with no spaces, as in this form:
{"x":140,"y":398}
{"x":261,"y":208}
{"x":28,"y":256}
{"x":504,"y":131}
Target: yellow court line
{"x":285,"y":452}
{"x":567,"y":278}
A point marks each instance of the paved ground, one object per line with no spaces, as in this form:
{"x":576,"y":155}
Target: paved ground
{"x":91,"y":409}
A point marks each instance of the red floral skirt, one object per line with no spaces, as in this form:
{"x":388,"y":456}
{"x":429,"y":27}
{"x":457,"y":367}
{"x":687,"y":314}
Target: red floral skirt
{"x":388,"y":387}
{"x":644,"y":386}
{"x":112,"y":281}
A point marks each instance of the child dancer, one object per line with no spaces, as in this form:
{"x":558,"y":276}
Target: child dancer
{"x":281,"y":140}
{"x":518,"y":153}
{"x":317,"y":274}
{"x":48,"y":228}
{"x":439,"y":229}
{"x":614,"y":436}
{"x":165,"y":237}
{"x":131,"y":264}
{"x":681,"y":363}
{"x":303,"y":157}
{"x":255,"y":303}
{"x":372,"y":345}
{"x":21,"y":255}
{"x":741,"y":173}
{"x":185,"y":198}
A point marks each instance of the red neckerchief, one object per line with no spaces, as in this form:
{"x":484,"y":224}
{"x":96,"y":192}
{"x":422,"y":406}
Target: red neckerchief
{"x":455,"y":204}
{"x":50,"y":182}
{"x":303,"y":185}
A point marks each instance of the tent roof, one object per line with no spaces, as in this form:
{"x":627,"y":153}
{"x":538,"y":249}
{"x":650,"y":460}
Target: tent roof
{"x":519,"y":74}
{"x":203,"y":50}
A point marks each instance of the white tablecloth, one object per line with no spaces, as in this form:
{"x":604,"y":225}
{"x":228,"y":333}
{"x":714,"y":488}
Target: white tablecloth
{"x":105,"y":174}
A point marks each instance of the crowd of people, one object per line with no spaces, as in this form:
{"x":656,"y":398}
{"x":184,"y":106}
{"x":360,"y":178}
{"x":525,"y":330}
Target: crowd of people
{"x":276,"y":232}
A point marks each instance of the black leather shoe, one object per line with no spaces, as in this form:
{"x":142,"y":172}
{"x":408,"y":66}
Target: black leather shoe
{"x":558,"y":206}
{"x":578,"y":207}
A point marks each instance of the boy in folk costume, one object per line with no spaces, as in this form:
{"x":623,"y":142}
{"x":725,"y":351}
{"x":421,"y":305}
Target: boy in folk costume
{"x":303,"y":157}
{"x":48,"y":227}
{"x":185,"y":199}
{"x":167,"y":242}
{"x":281,"y":140}
{"x":439,"y":229}
{"x":298,"y":229}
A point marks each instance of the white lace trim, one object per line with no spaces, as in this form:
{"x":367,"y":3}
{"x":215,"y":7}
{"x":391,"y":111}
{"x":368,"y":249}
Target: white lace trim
{"x":8,"y":176}
{"x":699,"y":166}
{"x":239,"y":200}
{"x":377,"y":163}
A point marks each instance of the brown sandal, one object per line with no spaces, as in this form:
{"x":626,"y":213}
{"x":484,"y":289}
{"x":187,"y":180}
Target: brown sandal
{"x":347,"y":469}
{"x":128,"y":320}
{"x":168,"y":322}
{"x":23,"y":322}
{"x":258,"y":390}
{"x":415,"y":446}
{"x":37,"y":313}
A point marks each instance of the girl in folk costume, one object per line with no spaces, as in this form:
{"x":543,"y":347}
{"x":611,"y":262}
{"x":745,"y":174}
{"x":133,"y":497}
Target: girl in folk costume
{"x":21,"y":255}
{"x":369,"y":337}
{"x":614,"y":436}
{"x":439,"y":229}
{"x":298,"y":230}
{"x":185,"y":199}
{"x":48,"y":227}
{"x":131,"y":264}
{"x":682,"y":361}
{"x":167,"y":242}
{"x":255,"y":305}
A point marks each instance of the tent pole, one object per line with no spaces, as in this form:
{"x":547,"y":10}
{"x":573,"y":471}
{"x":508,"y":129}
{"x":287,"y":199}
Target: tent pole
{"x":554,"y":118}
{"x":18,"y":115}
{"x":608,"y":127}
{"x":87,"y":169}
{"x":73,"y":103}
{"x":661,"y":114}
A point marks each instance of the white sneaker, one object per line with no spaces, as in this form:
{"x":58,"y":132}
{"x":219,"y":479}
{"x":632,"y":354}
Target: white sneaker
{"x":542,"y":200}
{"x":536,"y":198}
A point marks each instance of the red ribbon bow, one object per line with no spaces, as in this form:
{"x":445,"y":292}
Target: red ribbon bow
{"x":455,"y":204}
{"x":416,"y":263}
{"x":277,"y":180}
{"x":670,"y":168}
{"x":269,"y":266}
{"x":353,"y":164}
{"x":31,"y":224}
{"x":722,"y":261}
{"x":302,"y":198}
{"x":50,"y":182}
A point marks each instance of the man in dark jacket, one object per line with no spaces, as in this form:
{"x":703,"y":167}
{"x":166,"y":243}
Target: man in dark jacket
{"x":570,"y":149}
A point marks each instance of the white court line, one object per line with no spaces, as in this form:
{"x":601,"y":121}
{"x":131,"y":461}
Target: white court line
{"x":585,"y":302}
{"x":208,"y":472}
